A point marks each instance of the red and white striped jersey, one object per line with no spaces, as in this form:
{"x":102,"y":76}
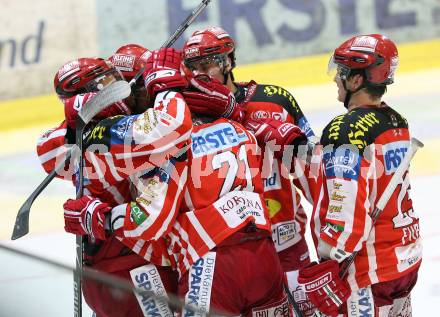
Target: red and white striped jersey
{"x":280,"y":185}
{"x":224,"y":191}
{"x":150,"y":216}
{"x":361,"y":151}
{"x":115,"y":176}
{"x":121,"y":146}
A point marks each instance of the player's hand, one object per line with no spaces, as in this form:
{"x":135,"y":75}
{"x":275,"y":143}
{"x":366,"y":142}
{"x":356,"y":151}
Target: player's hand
{"x":280,"y":133}
{"x":209,"y":97}
{"x":324,"y":288}
{"x":86,"y":216}
{"x":162,"y":71}
{"x":74,"y":104}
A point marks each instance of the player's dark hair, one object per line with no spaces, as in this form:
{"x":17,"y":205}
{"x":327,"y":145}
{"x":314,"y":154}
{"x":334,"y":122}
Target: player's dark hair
{"x":375,"y":91}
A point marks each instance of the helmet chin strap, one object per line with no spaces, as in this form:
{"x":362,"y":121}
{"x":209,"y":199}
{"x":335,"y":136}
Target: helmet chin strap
{"x":350,"y":93}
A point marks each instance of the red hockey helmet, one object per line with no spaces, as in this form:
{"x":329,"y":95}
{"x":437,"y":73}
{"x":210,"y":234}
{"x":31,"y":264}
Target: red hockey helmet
{"x":84,"y":75}
{"x":129,"y":59}
{"x":210,"y":44}
{"x":374,"y":53}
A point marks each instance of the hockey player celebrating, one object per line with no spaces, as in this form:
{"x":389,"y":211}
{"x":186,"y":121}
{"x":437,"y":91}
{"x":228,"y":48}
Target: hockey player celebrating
{"x":269,"y":111}
{"x":222,"y":216}
{"x":361,"y":151}
{"x":108,"y":254}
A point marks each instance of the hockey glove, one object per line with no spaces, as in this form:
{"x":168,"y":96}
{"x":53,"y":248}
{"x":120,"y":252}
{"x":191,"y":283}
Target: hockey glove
{"x":74,"y":104}
{"x":280,"y":133}
{"x":86,"y":216}
{"x":213,"y":99}
{"x":162,"y":72}
{"x":323,"y":286}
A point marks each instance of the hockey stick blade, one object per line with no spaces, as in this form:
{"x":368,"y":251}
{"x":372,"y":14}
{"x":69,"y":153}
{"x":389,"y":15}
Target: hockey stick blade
{"x":21,"y":226}
{"x":112,"y":93}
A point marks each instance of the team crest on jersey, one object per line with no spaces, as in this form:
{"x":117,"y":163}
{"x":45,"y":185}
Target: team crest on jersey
{"x":342,"y":162}
{"x":216,"y":138}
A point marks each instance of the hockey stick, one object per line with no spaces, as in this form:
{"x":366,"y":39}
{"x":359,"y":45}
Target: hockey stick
{"x":182,"y":27}
{"x":21,"y":226}
{"x":395,"y":180}
{"x":386,"y":195}
{"x":81,"y":122}
{"x":115,"y":92}
{"x":112,"y":93}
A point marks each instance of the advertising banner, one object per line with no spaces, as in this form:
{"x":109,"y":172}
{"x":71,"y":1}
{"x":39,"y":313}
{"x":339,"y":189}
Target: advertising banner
{"x":268,"y":29}
{"x":37,"y":37}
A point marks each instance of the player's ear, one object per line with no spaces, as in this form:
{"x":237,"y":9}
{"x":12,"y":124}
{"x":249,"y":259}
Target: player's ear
{"x":356,"y":81}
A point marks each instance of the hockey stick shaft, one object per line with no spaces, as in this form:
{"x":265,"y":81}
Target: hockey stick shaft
{"x":182,"y":27}
{"x":114,"y":92}
{"x":185,"y":24}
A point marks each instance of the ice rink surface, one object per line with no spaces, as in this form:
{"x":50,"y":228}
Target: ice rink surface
{"x":28,"y":288}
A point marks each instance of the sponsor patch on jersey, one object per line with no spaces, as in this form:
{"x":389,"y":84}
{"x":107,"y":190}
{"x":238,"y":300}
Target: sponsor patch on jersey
{"x":137,"y":214}
{"x":361,"y":303}
{"x":120,"y":128}
{"x":274,"y":206}
{"x":408,"y":255}
{"x":305,"y":127}
{"x":216,"y":138}
{"x":393,"y":154}
{"x":342,"y":162}
{"x":147,"y":278}
{"x":200,"y":278}
{"x":273,"y":181}
{"x":260,"y":114}
{"x":284,"y":232}
{"x":237,"y":206}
